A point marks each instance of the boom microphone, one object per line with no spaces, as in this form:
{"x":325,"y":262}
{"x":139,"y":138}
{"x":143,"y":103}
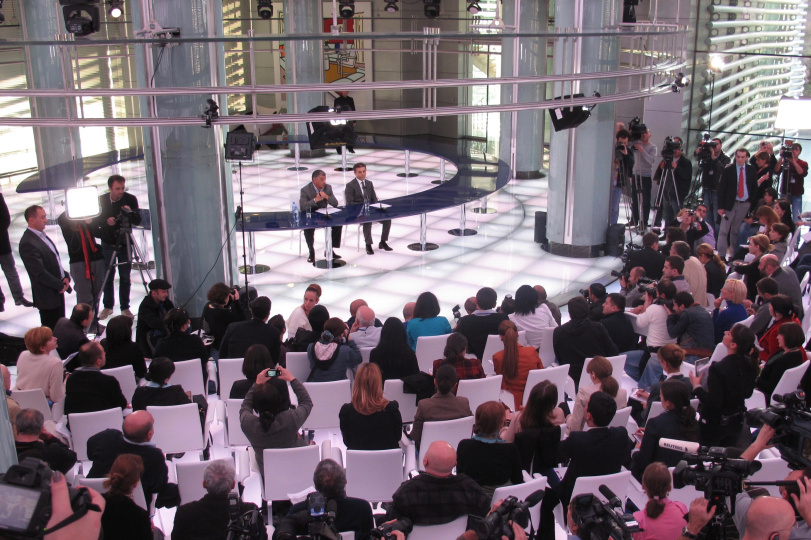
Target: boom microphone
{"x":611,"y":497}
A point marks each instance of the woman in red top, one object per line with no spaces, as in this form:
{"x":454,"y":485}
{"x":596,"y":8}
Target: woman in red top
{"x":515,"y":362}
{"x":455,"y":355}
{"x":782,"y":309}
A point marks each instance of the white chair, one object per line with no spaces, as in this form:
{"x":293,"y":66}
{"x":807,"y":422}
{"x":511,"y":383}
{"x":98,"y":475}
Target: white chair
{"x":521,"y":492}
{"x":454,"y":529}
{"x":125,"y":376}
{"x":288,"y":470}
{"x":747,"y":322}
{"x":556,"y":375}
{"x":393,"y":391}
{"x":641,"y":330}
{"x":620,"y":417}
{"x":618,"y":483}
{"x":189,"y":375}
{"x":771,"y":469}
{"x":298,"y":364}
{"x":534,"y":338}
{"x":177,"y":428}
{"x":85,"y":425}
{"x":493,"y":345}
{"x":373,"y":475}
{"x":756,"y":401}
{"x":546,"y":349}
{"x":365,"y":352}
{"x":430,"y":348}
{"x":33,"y":399}
{"x":719,"y":353}
{"x":451,"y":431}
{"x":190,"y":479}
{"x":617,"y":362}
{"x":229,"y":371}
{"x":790,"y":380}
{"x":98,"y":484}
{"x":328,"y":398}
{"x":234,"y":436}
{"x":478,"y":391}
{"x":710,"y":302}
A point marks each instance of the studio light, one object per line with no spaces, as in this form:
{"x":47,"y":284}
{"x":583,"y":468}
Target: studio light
{"x":717,"y":63}
{"x":431,"y":8}
{"x":116,"y":8}
{"x":265,"y":8}
{"x":346,"y":8}
{"x":82,"y":202}
{"x":474,"y":8}
{"x":81,"y":16}
{"x":793,"y":113}
{"x":391,"y":7}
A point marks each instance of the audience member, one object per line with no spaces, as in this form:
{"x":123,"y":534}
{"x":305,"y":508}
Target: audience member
{"x":119,"y":348}
{"x":70,"y":333}
{"x":87,"y":389}
{"x":507,"y":306}
{"x":122,"y":518}
{"x":580,"y":338}
{"x":529,"y":316}
{"x":333,"y":354}
{"x":393,"y":355}
{"x":37,"y":367}
{"x":694,"y":272}
{"x":32,"y":440}
{"x":277,"y":322}
{"x":151,"y":314}
{"x":653,"y":315}
{"x":486,"y":457}
{"x":596,"y":298}
{"x":241,"y":335}
{"x":275,"y":426}
{"x":671,"y":357}
{"x":543,"y":300}
{"x":661,"y":518}
{"x":455,"y":355}
{"x":363,"y":330}
{"x":672,"y":270}
{"x":222,"y":309}
{"x":354,"y":306}
{"x":158,"y":391}
{"x":303,"y":338}
{"x":783,"y":210}
{"x":514,"y":362}
{"x":758,"y":246}
{"x":648,"y":257}
{"x":714,"y":267}
{"x":426,"y":321}
{"x":729,"y":383}
{"x":208,"y":518}
{"x":701,"y":213}
{"x":734,"y":293}
{"x":790,"y":337}
{"x":179,"y":344}
{"x":617,"y":323}
{"x":482,"y":322}
{"x":766,"y":289}
{"x":782,"y":311}
{"x":408,"y":312}
{"x":787,"y":282}
{"x":370,"y":421}
{"x":437,"y":495}
{"x":600,"y":371}
{"x":778,"y":236}
{"x":692,"y":326}
{"x":298,"y":319}
{"x":629,"y":288}
{"x":444,"y":405}
{"x":470,"y":305}
{"x":257,"y":359}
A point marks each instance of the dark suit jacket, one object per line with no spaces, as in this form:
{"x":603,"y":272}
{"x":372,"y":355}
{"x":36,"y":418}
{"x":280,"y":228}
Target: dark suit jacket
{"x":664,"y":426}
{"x":205,"y":519}
{"x":309,"y":192}
{"x":728,"y":186}
{"x":621,"y":331}
{"x":437,"y":408}
{"x":730,"y":382}
{"x":476,"y":328}
{"x":43,"y":270}
{"x":90,"y":390}
{"x":241,"y":335}
{"x":354,"y":194}
{"x":5,"y":223}
{"x":69,"y":336}
{"x":579,"y":339}
{"x":594,"y":452}
{"x":651,"y":260}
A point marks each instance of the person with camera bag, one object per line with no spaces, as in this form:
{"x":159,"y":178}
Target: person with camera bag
{"x":797,"y":170}
{"x":622,"y":173}
{"x":712,"y":161}
{"x":114,"y":206}
{"x":729,"y":383}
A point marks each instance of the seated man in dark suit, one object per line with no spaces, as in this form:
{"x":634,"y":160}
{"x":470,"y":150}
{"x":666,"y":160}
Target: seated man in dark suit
{"x":70,"y":333}
{"x":482,"y":322}
{"x":87,"y":388}
{"x":598,"y":451}
{"x":580,"y":338}
{"x":104,"y":447}
{"x":352,"y":514}
{"x":207,"y":518}
{"x":619,"y":326}
{"x":241,"y":335}
{"x":444,"y":405}
{"x":32,"y":440}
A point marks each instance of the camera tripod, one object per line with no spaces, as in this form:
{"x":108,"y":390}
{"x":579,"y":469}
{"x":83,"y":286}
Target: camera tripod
{"x":657,"y":206}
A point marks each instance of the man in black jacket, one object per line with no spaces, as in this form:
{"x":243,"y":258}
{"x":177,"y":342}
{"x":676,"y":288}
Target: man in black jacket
{"x":736,"y":192}
{"x":151,"y":313}
{"x":618,"y":324}
{"x":87,"y":388}
{"x":649,"y":257}
{"x":621,"y":174}
{"x":580,"y":338}
{"x":7,"y":260}
{"x":241,"y":335}
{"x":32,"y":440}
{"x":676,"y":190}
{"x":70,"y":333}
{"x":482,"y":322}
{"x":116,"y":206}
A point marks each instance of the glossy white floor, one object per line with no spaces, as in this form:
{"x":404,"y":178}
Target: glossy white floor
{"x":501,"y":255}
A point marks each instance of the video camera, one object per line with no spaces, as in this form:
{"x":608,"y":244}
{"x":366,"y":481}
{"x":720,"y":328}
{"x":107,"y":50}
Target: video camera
{"x":785,"y":150}
{"x":386,"y":530}
{"x":705,"y":148}
{"x":317,"y":522}
{"x":597,"y":520}
{"x":25,"y":500}
{"x":721,"y":479}
{"x":627,"y":277}
{"x":791,"y":420}
{"x":630,"y":247}
{"x":669,"y":149}
{"x":636,"y":128}
{"x":497,"y":523}
{"x":244,"y":525}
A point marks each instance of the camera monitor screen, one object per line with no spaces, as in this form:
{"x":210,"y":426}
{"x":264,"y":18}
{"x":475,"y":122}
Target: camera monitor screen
{"x":17,"y":506}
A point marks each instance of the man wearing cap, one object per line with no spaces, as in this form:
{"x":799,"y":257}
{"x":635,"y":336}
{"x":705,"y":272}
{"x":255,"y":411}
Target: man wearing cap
{"x":151,"y":313}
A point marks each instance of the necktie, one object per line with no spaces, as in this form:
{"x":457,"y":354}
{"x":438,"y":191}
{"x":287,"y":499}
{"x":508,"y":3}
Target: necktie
{"x":740,"y":182}
{"x":363,"y":190}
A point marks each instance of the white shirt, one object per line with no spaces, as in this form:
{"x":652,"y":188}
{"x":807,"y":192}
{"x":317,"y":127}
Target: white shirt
{"x":531,"y":322}
{"x":655,"y":320}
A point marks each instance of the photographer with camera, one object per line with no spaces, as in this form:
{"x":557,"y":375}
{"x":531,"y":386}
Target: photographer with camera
{"x":736,"y":192}
{"x":117,"y":208}
{"x":222,"y":309}
{"x":653,"y":316}
{"x":677,"y":191}
{"x":621,"y":175}
{"x":712,"y":161}
{"x":644,"y":159}
{"x":794,"y":172}
{"x":649,"y":257}
{"x":629,"y":286}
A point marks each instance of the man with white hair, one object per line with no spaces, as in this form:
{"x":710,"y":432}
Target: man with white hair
{"x":363,"y":331}
{"x":207,"y":518}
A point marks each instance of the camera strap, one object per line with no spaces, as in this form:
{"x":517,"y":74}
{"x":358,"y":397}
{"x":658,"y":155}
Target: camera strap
{"x":79,"y":514}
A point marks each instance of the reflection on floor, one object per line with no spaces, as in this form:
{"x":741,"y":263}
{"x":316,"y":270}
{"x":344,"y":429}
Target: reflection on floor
{"x":501,"y":255}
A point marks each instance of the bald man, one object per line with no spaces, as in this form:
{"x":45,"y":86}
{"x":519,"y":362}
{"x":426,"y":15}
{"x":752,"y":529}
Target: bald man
{"x":104,"y":447}
{"x":542,"y":299}
{"x":768,"y":516}
{"x":353,"y":311}
{"x":437,"y":496}
{"x":408,"y":312}
{"x":363,"y":331}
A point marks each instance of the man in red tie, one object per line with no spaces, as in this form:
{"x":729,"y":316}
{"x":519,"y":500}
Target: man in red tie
{"x":736,"y":193}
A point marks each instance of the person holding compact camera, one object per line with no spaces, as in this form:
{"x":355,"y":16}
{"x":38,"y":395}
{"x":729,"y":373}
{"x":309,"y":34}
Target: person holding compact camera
{"x":653,"y":315}
{"x":116,"y":207}
{"x":629,"y":286}
{"x":797,"y":171}
{"x":621,"y":175}
{"x":712,"y":162}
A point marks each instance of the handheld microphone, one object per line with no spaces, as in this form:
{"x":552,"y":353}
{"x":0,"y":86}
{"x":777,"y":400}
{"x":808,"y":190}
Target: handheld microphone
{"x":679,"y":446}
{"x":612,"y":498}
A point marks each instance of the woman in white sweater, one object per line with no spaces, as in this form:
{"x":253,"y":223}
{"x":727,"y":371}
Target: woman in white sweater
{"x":37,"y":368}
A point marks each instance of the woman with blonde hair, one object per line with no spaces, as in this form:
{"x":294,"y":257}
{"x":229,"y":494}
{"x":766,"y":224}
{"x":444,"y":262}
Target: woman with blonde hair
{"x":759,"y":245}
{"x":370,"y":421}
{"x":38,"y":368}
{"x":122,"y":518}
{"x":514,"y":362}
{"x":734,"y":292}
{"x":600,"y":370}
{"x":661,"y":517}
{"x":298,"y":319}
{"x":715,"y":268}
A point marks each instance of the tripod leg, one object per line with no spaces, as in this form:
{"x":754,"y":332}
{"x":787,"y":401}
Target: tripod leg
{"x":133,"y":249}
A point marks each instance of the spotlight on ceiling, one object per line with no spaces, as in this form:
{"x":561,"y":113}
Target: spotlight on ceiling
{"x":717,"y":62}
{"x":346,"y":8}
{"x":431,"y":8}
{"x":116,"y":8}
{"x":265,"y":8}
{"x":81,"y":16}
{"x":391,"y":7}
{"x":474,"y":8}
